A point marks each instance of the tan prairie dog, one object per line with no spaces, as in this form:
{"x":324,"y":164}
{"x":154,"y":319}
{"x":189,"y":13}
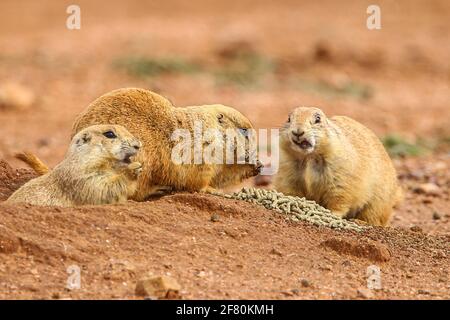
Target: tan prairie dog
{"x":153,"y":120}
{"x":97,"y":169}
{"x":339,"y":163}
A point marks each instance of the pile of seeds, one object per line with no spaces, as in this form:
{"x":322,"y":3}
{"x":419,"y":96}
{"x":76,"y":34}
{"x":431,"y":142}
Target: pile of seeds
{"x":294,"y":208}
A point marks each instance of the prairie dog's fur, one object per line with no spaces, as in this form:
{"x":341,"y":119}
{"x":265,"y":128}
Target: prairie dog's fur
{"x":339,"y":163}
{"x":96,"y":170}
{"x":153,"y":119}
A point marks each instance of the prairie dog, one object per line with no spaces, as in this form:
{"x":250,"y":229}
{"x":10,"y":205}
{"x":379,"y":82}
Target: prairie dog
{"x":97,"y":169}
{"x":153,"y":119}
{"x":339,"y":163}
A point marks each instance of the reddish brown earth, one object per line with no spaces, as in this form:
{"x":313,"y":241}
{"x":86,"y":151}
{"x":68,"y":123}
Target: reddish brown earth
{"x":250,"y":252}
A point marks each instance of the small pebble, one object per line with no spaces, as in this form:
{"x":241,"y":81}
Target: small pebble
{"x":305,"y":283}
{"x":425,"y":292}
{"x":295,"y":291}
{"x":215,"y":217}
{"x":276,"y":252}
{"x":365,"y":293}
{"x":159,"y":286}
{"x":15,"y":96}
{"x":436,"y":215}
{"x":346,"y":263}
{"x":429,"y":189}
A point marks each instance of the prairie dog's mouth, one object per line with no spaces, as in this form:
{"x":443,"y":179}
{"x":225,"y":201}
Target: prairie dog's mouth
{"x":127,"y":157}
{"x":258,"y":167}
{"x":255,"y":169}
{"x":304,"y":143}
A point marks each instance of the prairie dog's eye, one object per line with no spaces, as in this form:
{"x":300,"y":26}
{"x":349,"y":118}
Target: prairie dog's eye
{"x":289,"y":119}
{"x":243,"y":131}
{"x":317,"y":118}
{"x":110,"y":135}
{"x":220,"y":118}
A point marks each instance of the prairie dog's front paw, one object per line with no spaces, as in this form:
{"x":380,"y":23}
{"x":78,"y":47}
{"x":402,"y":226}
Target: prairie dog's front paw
{"x":211,"y":190}
{"x":135,"y":168}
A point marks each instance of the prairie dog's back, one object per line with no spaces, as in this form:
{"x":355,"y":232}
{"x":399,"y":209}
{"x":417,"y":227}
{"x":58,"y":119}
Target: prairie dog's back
{"x":43,"y":190}
{"x":366,"y":143}
{"x":138,"y":110}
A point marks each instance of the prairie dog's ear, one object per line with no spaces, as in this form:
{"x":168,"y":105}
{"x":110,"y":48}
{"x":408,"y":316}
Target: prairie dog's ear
{"x":289,"y":117}
{"x":220,"y":118}
{"x":85,"y":138}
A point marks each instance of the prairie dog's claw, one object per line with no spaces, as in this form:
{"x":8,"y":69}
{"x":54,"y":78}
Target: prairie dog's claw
{"x":211,"y":190}
{"x":161,"y":190}
{"x":136,"y":167}
{"x":164,"y":188}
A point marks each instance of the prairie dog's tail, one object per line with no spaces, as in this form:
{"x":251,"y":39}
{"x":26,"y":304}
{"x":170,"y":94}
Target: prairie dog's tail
{"x":34,"y":162}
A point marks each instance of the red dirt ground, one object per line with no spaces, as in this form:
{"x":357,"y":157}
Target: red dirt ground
{"x":250,"y":252}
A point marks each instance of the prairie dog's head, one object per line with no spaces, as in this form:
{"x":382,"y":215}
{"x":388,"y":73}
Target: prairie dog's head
{"x":228,"y":117}
{"x":225,"y":117}
{"x":304,"y":130}
{"x":110,"y":142}
{"x":239,"y":140}
{"x":235,"y":125}
{"x":230,"y":123}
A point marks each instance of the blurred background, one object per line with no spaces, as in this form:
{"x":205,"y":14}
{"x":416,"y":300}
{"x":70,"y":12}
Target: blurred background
{"x":262,"y":57}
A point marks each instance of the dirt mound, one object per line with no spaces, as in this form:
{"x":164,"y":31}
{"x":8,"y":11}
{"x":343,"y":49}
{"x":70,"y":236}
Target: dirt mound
{"x":9,"y":243}
{"x":12,"y":179}
{"x":213,"y":246}
{"x":367,"y":249}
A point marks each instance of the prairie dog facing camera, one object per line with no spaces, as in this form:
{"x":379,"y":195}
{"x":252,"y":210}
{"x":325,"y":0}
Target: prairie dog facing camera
{"x":339,"y":163}
{"x":97,"y":169}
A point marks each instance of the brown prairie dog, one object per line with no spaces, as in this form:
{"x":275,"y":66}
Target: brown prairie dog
{"x":97,"y":169}
{"x":153,"y":119}
{"x":339,"y":163}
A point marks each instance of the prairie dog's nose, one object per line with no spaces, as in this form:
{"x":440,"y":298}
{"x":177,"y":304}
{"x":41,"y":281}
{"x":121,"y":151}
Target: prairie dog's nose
{"x":298,"y":133}
{"x":136,"y":145}
{"x":259,"y":165}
